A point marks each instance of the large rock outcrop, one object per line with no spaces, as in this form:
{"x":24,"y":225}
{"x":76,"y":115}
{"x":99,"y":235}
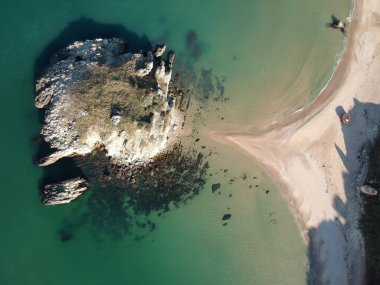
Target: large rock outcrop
{"x":63,"y":192}
{"x":97,"y":94}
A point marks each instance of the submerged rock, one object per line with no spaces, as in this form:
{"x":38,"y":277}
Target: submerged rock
{"x":114,"y":207}
{"x":64,"y":192}
{"x":215,"y":187}
{"x":226,"y":217}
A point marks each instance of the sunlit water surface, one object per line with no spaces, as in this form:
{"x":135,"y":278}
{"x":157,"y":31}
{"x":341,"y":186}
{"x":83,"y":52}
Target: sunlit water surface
{"x":271,"y":57}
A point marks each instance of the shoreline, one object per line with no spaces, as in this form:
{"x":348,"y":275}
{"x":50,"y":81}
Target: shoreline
{"x":337,"y":64}
{"x":345,"y":49}
{"x":318,"y":163}
{"x":301,"y":116}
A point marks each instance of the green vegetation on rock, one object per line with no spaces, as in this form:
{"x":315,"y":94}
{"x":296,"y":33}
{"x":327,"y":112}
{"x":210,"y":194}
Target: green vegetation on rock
{"x":110,"y":91}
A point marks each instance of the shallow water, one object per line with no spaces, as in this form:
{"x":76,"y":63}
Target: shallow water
{"x":271,"y":58}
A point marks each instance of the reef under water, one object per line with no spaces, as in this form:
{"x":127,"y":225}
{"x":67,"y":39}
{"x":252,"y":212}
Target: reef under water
{"x":120,"y":198}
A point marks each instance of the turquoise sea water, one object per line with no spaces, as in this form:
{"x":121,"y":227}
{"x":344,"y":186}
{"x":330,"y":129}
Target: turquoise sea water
{"x":272,"y":56}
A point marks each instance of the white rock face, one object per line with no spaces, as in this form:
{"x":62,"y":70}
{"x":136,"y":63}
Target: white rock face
{"x":64,"y":192}
{"x":163,"y":77}
{"x":137,"y":143}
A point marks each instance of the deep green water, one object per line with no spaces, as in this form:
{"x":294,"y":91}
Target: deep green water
{"x":274,"y":57}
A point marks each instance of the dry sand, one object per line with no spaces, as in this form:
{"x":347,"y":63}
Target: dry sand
{"x":318,"y":162}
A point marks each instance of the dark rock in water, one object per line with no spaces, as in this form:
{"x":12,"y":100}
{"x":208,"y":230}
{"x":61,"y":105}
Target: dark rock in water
{"x":266,"y":192}
{"x":273,"y":221}
{"x":206,"y":84}
{"x":192,"y":44}
{"x":196,"y":52}
{"x":65,"y":235}
{"x":225,"y":224}
{"x":191,"y":39}
{"x":215,"y":187}
{"x":138,"y":191}
{"x":63,"y":192}
{"x":226,"y":217}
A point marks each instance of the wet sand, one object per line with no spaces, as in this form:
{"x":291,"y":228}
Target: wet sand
{"x":318,"y":162}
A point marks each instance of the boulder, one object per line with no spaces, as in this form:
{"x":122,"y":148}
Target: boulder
{"x":63,"y":192}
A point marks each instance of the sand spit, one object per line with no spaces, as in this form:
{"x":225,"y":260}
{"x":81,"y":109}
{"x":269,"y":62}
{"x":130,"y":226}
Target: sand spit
{"x":319,"y":162}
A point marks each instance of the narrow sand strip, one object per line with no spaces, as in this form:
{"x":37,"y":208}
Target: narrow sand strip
{"x":318,"y":162}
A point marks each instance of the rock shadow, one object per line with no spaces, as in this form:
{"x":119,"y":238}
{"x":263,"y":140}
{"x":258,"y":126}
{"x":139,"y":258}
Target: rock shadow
{"x":359,"y":136}
{"x":88,"y":29}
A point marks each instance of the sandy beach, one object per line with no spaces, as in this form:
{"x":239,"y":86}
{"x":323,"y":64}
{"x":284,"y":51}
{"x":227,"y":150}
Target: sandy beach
{"x":319,"y":163}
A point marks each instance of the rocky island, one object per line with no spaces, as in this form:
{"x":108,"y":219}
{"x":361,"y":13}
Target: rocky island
{"x":98,"y":95}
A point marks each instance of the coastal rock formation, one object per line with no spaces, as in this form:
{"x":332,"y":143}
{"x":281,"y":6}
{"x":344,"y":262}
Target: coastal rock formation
{"x":64,"y":192}
{"x":97,"y":94}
